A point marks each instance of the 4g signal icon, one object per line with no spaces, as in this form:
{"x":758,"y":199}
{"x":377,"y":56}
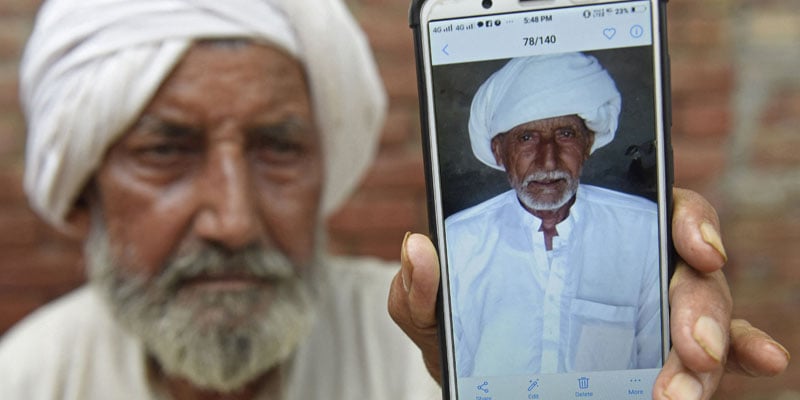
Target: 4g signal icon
{"x":451,"y":28}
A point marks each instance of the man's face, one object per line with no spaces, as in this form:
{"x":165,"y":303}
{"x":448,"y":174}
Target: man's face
{"x":206,"y":215}
{"x":544,"y":158}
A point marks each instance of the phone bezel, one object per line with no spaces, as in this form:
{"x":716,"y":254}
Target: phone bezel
{"x":424,"y":11}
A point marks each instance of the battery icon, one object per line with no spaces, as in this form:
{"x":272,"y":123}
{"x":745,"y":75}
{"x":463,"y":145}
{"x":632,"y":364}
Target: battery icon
{"x":639,"y":9}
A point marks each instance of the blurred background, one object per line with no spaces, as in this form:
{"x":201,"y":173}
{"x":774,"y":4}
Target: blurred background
{"x":736,"y":137}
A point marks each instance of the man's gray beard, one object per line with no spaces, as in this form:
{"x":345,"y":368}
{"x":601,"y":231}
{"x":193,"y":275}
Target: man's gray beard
{"x":529,"y":201}
{"x":220,"y":341}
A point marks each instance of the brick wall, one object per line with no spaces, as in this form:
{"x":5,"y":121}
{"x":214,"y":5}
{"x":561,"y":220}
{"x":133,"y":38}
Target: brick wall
{"x":36,"y":264}
{"x":736,"y":105}
{"x":736,"y":95}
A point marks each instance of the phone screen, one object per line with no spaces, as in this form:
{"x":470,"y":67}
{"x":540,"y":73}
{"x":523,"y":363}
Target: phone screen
{"x":549,"y":179}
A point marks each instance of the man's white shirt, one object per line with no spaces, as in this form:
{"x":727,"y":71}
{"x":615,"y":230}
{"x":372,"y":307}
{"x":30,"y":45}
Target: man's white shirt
{"x":591,"y":303}
{"x":72,"y":349}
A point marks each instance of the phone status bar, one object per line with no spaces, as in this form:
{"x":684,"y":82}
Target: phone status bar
{"x":542,"y":16}
{"x":541,"y":31}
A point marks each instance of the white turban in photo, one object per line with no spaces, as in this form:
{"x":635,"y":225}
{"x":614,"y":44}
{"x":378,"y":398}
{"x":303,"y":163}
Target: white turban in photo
{"x":540,"y":87}
{"x":91,"y":66}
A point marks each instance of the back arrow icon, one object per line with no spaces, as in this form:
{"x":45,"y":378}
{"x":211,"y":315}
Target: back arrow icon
{"x":444,"y":50}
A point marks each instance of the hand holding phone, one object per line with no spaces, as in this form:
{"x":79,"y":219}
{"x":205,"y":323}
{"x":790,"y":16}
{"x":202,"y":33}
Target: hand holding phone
{"x":548,"y":176}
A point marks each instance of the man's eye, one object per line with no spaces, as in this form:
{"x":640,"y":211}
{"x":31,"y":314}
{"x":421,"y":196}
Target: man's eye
{"x":566,"y":133}
{"x":164,"y":154}
{"x":160,"y":143}
{"x":285,"y":143}
{"x":164,"y":150}
{"x":282,"y":146}
{"x":525,"y":137}
{"x":277,"y":150}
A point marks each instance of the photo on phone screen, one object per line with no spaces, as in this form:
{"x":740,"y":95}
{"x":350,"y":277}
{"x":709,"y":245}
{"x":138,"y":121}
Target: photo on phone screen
{"x":549,"y":186}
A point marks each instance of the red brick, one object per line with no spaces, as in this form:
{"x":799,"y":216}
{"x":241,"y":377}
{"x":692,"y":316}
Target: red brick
{"x":386,"y":246}
{"x":757,"y":229}
{"x":11,"y":184}
{"x":21,"y":8}
{"x":40,"y":269}
{"x":783,"y":107}
{"x":401,"y":128}
{"x":402,"y":4}
{"x":735,"y":386}
{"x":17,"y":228}
{"x":697,"y":161}
{"x":777,"y":148}
{"x":12,"y":138}
{"x":397,"y":169}
{"x":400,"y":80}
{"x":703,"y":119}
{"x":15,"y":304}
{"x":692,"y":78}
{"x":13,"y":36}
{"x":777,"y":141}
{"x":388,"y":30}
{"x":9,"y":97}
{"x":697,"y":32}
{"x":369,"y":214}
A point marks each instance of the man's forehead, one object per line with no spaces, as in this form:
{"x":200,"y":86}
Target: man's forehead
{"x":238,"y":51}
{"x":238,"y":43}
{"x":242,"y":69}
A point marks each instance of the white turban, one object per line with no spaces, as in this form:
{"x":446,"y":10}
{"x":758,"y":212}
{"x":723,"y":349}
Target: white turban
{"x":91,"y":66}
{"x":539,"y":87}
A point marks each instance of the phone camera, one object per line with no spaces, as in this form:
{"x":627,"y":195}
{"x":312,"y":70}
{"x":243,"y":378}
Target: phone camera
{"x":487,"y":4}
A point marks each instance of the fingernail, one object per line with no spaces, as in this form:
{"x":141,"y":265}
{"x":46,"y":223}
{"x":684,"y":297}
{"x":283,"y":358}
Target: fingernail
{"x":708,"y":334}
{"x":404,"y":270}
{"x":783,"y":349}
{"x":711,"y":236}
{"x":684,"y":387}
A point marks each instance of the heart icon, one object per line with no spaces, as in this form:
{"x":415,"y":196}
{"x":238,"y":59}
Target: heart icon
{"x":609,"y":33}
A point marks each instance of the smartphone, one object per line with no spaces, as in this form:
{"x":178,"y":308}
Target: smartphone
{"x":549,"y":174}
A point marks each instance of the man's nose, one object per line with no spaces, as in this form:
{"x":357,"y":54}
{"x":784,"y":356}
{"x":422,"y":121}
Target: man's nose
{"x":228,"y":215}
{"x":547,"y":154}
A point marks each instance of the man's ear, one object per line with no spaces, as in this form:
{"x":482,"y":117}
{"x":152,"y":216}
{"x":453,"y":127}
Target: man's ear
{"x":589,"y":144}
{"x":497,"y":149}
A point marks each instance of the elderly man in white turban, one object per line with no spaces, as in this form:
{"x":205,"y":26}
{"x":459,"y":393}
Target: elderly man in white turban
{"x":196,"y":146}
{"x":187,"y":138}
{"x":579,"y":286}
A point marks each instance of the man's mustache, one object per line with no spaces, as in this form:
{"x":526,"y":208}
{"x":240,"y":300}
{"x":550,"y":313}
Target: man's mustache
{"x":210,"y":261}
{"x":546,"y":176}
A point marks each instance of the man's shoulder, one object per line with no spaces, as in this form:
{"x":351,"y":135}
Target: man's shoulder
{"x":45,"y":351}
{"x":355,"y":350}
{"x":352,"y":280}
{"x":599,"y":196}
{"x":66,"y":315}
{"x":361,"y":270}
{"x":481,"y":211}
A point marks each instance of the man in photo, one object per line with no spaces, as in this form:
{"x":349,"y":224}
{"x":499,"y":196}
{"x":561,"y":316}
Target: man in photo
{"x":552,"y":275}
